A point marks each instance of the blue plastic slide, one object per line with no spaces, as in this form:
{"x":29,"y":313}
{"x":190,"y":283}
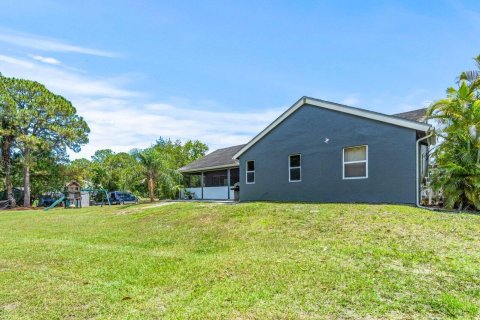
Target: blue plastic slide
{"x":55,"y":203}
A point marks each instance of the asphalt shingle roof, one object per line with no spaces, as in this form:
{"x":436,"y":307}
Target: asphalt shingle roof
{"x":414,"y":115}
{"x":220,"y":157}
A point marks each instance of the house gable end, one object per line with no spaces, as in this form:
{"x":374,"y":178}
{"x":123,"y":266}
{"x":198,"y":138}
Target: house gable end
{"x":320,"y":136}
{"x":335,"y":107}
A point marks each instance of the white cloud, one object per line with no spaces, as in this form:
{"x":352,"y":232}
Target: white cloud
{"x":47,"y":60}
{"x":65,"y":82}
{"x":350,"y":101}
{"x":405,"y":107}
{"x":46,"y":44}
{"x":120,"y":125}
{"x":120,"y":120}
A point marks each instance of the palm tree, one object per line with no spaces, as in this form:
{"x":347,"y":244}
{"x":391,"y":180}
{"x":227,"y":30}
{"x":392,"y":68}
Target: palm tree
{"x":457,"y":172}
{"x":472,"y":77}
{"x":159,"y":171}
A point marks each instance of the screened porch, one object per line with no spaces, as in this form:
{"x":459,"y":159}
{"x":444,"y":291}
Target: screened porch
{"x":210,"y":185}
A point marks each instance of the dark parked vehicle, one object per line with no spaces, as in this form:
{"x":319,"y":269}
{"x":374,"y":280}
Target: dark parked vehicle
{"x":45,"y":201}
{"x":48,"y":200}
{"x":121,"y":197}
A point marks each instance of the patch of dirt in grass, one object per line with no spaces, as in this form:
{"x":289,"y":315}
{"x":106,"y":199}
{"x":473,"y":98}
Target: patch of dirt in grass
{"x":161,"y":204}
{"x":10,"y":306}
{"x":138,"y":209}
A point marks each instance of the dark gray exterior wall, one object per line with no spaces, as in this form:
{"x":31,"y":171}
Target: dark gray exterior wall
{"x":391,"y":160}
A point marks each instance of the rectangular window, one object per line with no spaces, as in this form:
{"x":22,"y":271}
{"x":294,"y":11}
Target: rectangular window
{"x":355,"y":162}
{"x":295,"y":167}
{"x":250,"y":168}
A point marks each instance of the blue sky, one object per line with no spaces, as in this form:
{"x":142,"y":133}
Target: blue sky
{"x":220,"y":71}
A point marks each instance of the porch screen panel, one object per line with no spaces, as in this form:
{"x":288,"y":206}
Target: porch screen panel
{"x":215,"y":178}
{"x":234,"y":176}
{"x":193,"y":180}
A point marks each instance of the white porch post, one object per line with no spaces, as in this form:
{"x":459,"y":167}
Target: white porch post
{"x":201,"y":182}
{"x":228,"y":184}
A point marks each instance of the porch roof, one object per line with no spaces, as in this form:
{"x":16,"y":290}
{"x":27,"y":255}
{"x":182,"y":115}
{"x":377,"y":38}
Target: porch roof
{"x":218,"y":159}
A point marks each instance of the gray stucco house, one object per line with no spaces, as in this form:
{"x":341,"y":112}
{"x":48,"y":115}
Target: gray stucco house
{"x":324,"y":152}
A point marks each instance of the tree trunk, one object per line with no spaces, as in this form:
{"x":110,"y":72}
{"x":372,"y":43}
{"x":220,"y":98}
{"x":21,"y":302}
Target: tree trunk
{"x":7,"y":166}
{"x":26,"y":185}
{"x":151,"y":188}
{"x":26,"y":177}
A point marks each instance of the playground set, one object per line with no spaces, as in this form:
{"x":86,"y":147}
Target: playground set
{"x":76,"y":197}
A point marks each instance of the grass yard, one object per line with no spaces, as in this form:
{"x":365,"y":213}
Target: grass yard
{"x":246,"y":261}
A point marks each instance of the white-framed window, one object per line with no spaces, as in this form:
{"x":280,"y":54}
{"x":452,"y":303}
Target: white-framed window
{"x":295,"y":168}
{"x":355,"y":162}
{"x":250,"y":171}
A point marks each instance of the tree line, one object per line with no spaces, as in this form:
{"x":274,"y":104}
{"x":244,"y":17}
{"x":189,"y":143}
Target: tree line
{"x":37,"y":127}
{"x":151,"y":172}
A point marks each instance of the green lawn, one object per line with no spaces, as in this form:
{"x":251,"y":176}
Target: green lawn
{"x":246,"y":261}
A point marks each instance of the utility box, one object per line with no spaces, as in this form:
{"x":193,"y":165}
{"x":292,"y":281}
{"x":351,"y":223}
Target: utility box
{"x":85,"y":199}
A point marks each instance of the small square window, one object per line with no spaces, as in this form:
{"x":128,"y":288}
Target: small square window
{"x":355,"y":162}
{"x":295,"y":160}
{"x":356,"y":154}
{"x":355,"y":170}
{"x":295,"y":174}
